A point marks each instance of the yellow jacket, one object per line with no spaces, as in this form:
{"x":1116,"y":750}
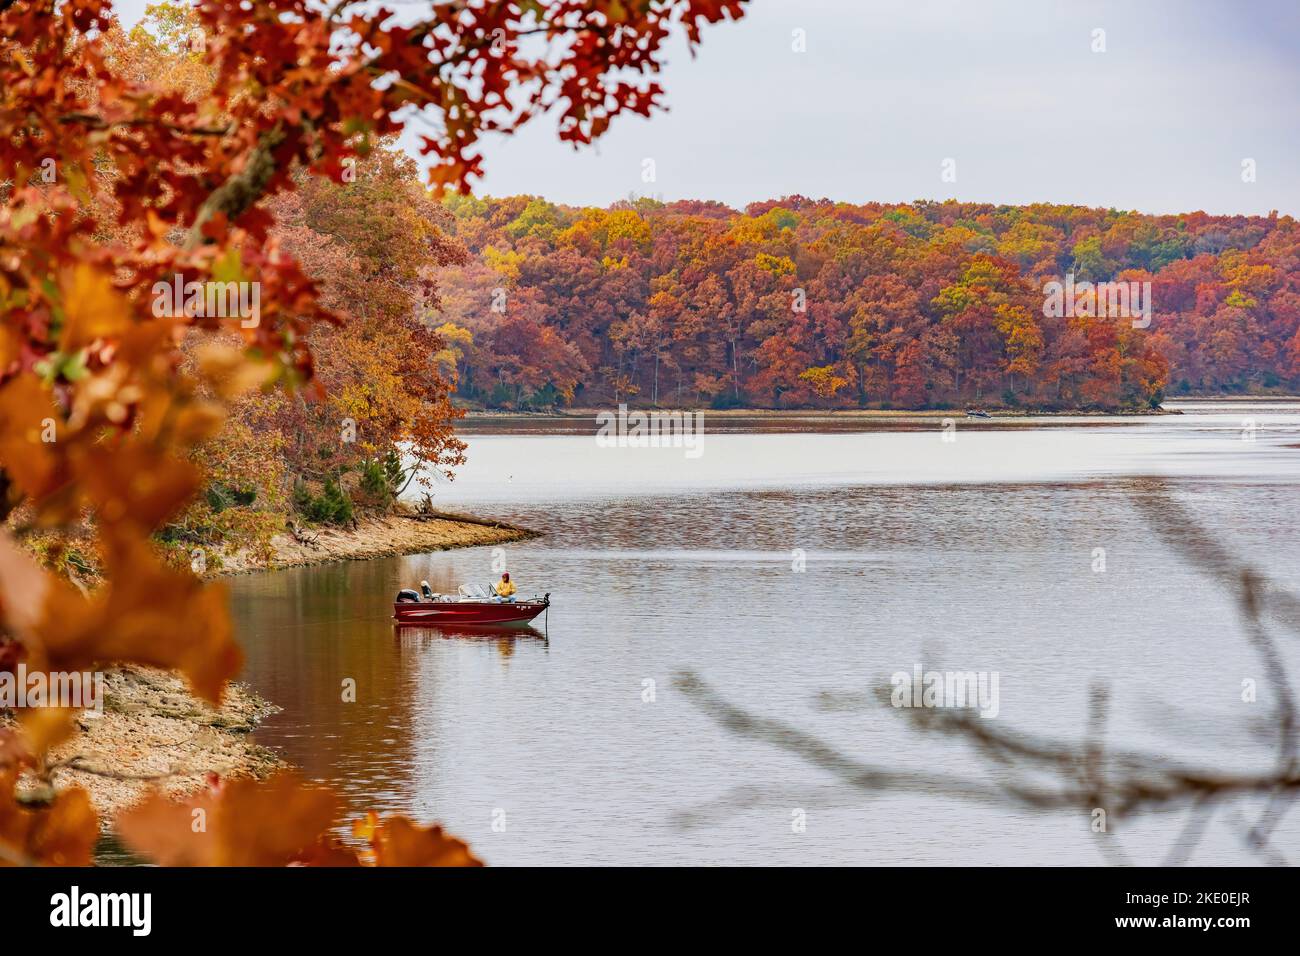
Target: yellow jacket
{"x":505,"y":588}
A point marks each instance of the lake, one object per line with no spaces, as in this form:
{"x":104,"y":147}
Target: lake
{"x":793,"y":567}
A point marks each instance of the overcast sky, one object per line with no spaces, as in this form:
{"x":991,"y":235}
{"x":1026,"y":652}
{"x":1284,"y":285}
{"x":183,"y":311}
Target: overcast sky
{"x":1010,"y":90}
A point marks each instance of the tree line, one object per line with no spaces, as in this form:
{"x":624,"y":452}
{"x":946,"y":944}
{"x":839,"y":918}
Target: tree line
{"x":812,"y":303}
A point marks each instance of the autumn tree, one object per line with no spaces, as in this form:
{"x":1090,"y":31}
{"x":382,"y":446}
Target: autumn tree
{"x":115,"y":186}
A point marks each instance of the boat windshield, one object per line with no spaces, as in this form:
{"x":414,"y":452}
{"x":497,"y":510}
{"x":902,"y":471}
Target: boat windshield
{"x":474,"y":591}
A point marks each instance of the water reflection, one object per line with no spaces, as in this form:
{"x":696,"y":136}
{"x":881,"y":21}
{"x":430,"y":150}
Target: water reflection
{"x":503,"y":638}
{"x":782,"y":568}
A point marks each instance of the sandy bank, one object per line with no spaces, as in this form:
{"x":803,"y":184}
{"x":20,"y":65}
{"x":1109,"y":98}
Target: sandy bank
{"x":152,"y":732}
{"x":377,"y":537}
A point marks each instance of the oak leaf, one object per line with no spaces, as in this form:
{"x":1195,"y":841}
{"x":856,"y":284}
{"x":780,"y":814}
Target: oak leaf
{"x":92,"y":308}
{"x":273,"y":822}
{"x":399,"y":842}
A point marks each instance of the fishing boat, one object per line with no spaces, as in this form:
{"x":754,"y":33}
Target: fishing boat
{"x":977,"y":413}
{"x":473,"y":605}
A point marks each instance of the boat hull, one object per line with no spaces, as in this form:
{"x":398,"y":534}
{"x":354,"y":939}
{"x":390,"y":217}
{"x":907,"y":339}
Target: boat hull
{"x":468,"y":613}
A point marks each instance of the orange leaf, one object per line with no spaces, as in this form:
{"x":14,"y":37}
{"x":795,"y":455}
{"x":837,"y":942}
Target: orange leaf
{"x":399,"y":842}
{"x":146,"y":614}
{"x":92,"y":308}
{"x":271,"y":822}
{"x":137,"y":483}
{"x":8,"y":346}
{"x":230,"y":372}
{"x":29,"y":421}
{"x":169,"y":832}
{"x":24,"y":588}
{"x":61,"y":833}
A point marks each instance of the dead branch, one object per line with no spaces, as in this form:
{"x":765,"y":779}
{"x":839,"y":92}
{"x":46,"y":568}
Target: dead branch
{"x":1082,"y":775}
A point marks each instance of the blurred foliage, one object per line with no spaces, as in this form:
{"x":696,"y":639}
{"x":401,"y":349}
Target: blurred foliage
{"x":235,"y":143}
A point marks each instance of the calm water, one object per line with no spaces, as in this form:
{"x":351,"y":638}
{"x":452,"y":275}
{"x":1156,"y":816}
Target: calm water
{"x":971,"y":554}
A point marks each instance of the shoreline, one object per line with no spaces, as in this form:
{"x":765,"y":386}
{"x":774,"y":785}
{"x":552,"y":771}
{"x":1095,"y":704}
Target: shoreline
{"x":589,"y":414}
{"x":586,"y":413}
{"x":378,"y":536}
{"x":154,"y":733}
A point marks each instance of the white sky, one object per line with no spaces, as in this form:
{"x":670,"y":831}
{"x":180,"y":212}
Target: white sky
{"x":1009,"y":89}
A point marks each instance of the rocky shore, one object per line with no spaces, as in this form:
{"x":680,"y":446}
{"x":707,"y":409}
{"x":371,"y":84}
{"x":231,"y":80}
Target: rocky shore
{"x":154,"y":733}
{"x":377,"y":537}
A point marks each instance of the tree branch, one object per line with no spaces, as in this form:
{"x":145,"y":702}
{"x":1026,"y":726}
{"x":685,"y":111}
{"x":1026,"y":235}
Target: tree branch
{"x":242,"y":189}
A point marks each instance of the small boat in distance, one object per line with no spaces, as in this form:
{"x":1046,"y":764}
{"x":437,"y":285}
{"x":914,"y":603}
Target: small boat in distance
{"x":474,"y":605}
{"x":977,"y":413}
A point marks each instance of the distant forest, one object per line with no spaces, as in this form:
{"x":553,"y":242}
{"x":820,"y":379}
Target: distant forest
{"x":810,"y":303}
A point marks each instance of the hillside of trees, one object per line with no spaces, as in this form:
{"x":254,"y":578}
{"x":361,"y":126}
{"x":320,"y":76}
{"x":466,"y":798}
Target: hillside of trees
{"x":810,"y":303}
{"x":209,"y":147}
{"x":351,"y":429}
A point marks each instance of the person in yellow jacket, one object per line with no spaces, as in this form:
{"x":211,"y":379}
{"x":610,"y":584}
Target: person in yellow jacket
{"x":505,"y":588}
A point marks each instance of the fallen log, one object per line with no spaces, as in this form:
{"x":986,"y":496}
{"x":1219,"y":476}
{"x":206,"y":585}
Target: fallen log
{"x":301,"y":536}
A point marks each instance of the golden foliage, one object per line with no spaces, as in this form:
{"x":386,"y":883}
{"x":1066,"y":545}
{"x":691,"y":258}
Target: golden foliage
{"x":277,"y":822}
{"x":163,"y":158}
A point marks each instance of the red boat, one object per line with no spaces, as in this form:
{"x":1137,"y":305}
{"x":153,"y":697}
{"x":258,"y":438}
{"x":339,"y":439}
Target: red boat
{"x":474,"y":605}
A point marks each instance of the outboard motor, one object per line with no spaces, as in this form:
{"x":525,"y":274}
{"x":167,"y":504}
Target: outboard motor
{"x":407,"y":596}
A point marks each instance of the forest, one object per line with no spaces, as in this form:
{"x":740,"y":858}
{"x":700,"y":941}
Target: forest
{"x":796,"y":303}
